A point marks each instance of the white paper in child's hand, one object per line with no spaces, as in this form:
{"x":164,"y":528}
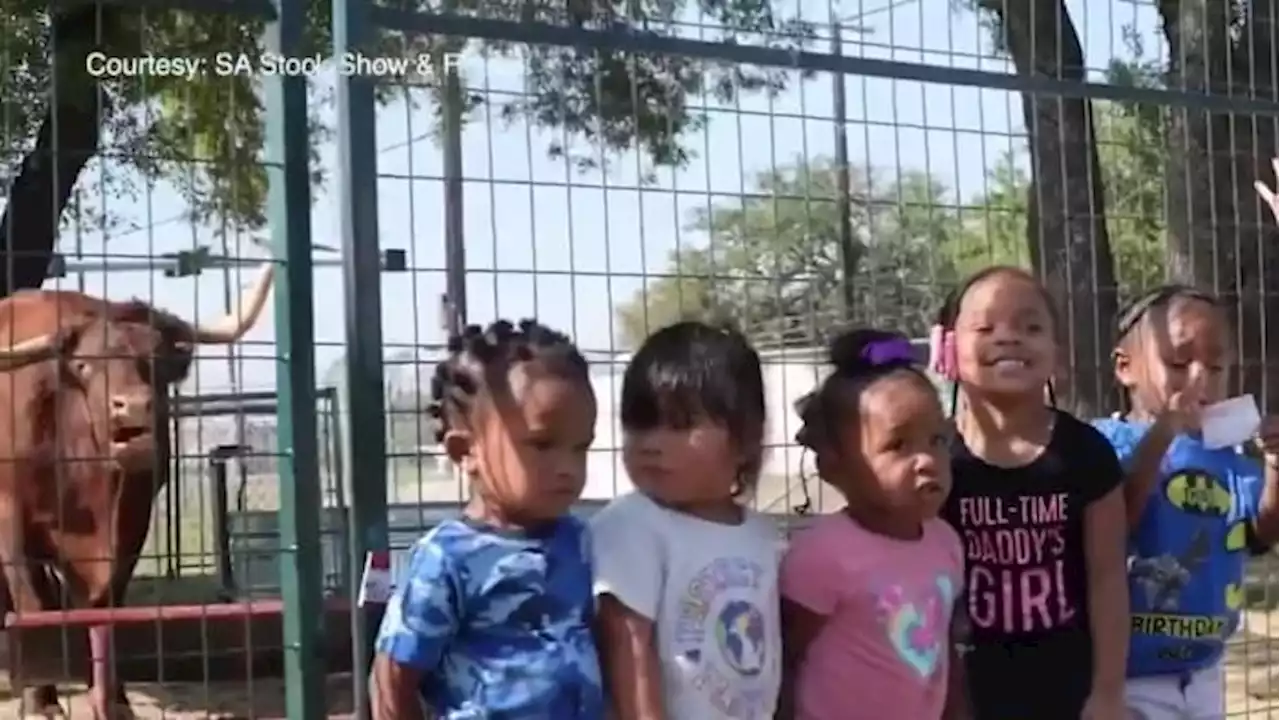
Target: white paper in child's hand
{"x":1230,"y":422}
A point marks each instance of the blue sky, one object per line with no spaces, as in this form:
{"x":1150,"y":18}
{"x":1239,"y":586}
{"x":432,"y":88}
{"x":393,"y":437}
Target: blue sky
{"x":543,"y":239}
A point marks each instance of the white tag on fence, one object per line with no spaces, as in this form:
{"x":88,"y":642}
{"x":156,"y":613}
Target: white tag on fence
{"x":377,"y":583}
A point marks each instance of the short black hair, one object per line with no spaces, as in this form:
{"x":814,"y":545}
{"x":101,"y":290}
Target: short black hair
{"x":820,"y":410}
{"x":1157,"y":298}
{"x":691,"y":371}
{"x":478,"y":357}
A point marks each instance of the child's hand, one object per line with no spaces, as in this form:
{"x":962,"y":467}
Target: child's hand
{"x":1105,"y":706}
{"x":1181,"y":412}
{"x":1269,"y":440}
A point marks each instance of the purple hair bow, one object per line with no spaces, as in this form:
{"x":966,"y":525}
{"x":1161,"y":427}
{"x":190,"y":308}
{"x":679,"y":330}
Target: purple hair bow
{"x":884,"y":352}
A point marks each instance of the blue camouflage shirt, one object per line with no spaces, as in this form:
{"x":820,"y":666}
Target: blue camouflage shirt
{"x":498,"y":622}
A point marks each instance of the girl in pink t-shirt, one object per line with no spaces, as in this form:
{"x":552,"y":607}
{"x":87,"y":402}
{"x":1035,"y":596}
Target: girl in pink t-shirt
{"x":867,"y":593}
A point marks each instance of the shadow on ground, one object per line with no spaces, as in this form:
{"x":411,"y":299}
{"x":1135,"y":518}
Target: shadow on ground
{"x":244,"y":700}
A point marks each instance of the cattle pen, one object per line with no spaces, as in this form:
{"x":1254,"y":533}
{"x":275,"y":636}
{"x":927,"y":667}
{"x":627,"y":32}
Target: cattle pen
{"x":788,"y":166}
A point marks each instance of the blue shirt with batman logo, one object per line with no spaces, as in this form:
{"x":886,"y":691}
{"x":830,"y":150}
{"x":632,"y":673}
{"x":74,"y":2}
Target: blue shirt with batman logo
{"x":1187,"y":555}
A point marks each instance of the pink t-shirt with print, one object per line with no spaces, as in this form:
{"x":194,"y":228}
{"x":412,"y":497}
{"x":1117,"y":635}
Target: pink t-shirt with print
{"x":882,"y":654}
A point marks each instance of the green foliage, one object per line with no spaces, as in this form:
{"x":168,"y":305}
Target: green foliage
{"x":994,"y":223}
{"x":1132,"y":154}
{"x":618,"y":99}
{"x":772,"y":261}
{"x":206,"y":136}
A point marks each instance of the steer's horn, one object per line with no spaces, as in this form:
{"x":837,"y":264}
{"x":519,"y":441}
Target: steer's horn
{"x":25,"y":352}
{"x":232,"y":327}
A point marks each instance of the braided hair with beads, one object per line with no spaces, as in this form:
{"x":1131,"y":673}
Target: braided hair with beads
{"x":479,"y":356}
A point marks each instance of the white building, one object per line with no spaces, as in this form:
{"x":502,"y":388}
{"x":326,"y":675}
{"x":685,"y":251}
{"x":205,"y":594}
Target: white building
{"x":789,"y":374}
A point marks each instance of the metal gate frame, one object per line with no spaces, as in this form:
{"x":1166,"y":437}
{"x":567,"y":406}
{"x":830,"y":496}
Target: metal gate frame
{"x":214,"y":473}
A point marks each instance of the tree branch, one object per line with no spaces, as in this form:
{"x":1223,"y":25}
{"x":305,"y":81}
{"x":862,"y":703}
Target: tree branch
{"x":67,"y":139}
{"x":1067,"y":237}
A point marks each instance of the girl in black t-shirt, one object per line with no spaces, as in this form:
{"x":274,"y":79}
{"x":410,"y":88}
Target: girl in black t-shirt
{"x":1037,"y":502}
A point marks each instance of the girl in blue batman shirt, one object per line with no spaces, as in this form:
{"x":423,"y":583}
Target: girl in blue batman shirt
{"x":1195,"y":513}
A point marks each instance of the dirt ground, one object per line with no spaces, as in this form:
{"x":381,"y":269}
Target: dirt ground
{"x":1253,"y":688}
{"x":263,"y":700}
{"x":1253,"y":668}
{"x":249,"y":699}
{"x":1252,"y":683}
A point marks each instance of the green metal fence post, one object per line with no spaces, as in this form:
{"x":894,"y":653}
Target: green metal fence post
{"x":362,"y":265}
{"x":289,"y":202}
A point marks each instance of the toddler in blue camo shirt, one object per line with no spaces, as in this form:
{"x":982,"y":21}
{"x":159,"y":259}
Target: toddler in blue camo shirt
{"x":492,"y":616}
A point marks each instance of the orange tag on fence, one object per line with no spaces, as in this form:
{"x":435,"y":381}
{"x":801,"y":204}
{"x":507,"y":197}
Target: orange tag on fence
{"x":377,"y":583}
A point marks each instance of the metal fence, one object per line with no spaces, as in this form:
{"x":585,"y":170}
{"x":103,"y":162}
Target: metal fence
{"x":793,"y":166}
{"x":127,"y":156}
{"x":223,"y":469}
{"x":788,"y":166}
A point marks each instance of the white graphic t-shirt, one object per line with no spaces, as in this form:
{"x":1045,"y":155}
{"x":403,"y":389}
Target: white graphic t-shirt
{"x":712,"y":593}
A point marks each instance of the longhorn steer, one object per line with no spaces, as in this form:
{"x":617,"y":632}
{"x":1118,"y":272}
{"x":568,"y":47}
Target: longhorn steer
{"x":84,"y":381}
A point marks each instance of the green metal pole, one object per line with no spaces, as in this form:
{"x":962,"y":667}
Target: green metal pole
{"x":289,"y":203}
{"x":353,"y":30}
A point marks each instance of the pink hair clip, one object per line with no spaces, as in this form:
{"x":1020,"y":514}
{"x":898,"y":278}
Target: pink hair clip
{"x":942,"y":352}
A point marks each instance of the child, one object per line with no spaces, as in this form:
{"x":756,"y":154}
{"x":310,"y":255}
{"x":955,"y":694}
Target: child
{"x":492,"y":617}
{"x":1036,"y":498}
{"x":686,"y":577}
{"x":1193,"y":511}
{"x":867,"y":594}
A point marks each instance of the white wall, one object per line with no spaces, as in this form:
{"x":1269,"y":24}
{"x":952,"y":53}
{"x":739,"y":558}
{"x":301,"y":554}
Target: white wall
{"x":789,"y":374}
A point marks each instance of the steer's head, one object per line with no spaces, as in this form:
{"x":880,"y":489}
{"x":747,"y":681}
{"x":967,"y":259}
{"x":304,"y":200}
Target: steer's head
{"x":114,"y":364}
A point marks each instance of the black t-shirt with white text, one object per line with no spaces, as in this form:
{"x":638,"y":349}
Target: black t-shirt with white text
{"x":1026,"y":586}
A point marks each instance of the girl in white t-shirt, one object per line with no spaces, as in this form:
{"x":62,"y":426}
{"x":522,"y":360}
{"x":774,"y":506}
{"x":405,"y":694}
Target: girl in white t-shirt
{"x":686,"y":577}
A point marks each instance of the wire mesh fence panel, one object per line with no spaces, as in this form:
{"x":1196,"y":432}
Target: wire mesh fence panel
{"x":788,"y":167}
{"x":795,"y":167}
{"x":157,"y":198}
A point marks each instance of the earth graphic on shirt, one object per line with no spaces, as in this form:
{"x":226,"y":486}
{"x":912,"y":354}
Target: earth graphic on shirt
{"x":740,"y":634}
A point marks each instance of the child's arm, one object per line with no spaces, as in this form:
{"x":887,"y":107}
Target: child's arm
{"x":1106,"y":533}
{"x":629,"y":566}
{"x":394,"y":690}
{"x":800,"y":626}
{"x":809,"y":583}
{"x":1144,"y":465}
{"x":418,"y":624}
{"x":632,"y":671}
{"x":1144,"y":469}
{"x":957,"y":707}
{"x":1267,"y":524}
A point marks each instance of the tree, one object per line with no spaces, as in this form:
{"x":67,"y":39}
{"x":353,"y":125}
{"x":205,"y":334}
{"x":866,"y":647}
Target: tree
{"x":1131,"y":161}
{"x":1068,"y":243}
{"x":771,"y":265}
{"x":772,"y":261}
{"x":205,"y":135}
{"x":1217,"y":236}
